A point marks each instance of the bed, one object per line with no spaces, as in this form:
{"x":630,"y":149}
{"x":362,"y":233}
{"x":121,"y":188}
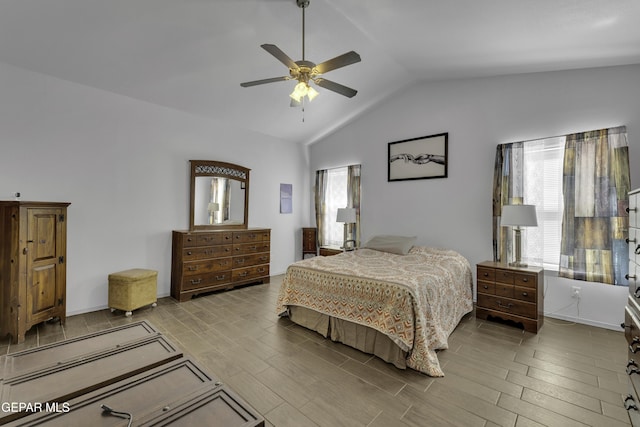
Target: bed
{"x":401,"y":307}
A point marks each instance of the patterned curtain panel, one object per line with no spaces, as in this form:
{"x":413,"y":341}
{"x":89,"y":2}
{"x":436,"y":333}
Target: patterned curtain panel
{"x":353,"y":199}
{"x":321,"y":208}
{"x":508,"y":189}
{"x":595,"y":221}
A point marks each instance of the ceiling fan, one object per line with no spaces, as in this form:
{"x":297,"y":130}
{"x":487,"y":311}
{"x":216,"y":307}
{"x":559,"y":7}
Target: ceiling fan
{"x":306,"y":72}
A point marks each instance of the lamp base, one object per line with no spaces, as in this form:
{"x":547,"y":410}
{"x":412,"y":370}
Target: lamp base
{"x":518,"y":264}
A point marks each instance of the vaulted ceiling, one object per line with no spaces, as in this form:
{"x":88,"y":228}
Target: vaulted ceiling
{"x":192,"y":55}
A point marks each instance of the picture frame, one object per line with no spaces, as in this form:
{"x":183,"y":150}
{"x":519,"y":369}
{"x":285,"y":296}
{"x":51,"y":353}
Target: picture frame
{"x":286,"y":198}
{"x":425,"y":157}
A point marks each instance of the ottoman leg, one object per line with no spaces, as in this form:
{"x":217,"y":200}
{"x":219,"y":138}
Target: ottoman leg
{"x":128,"y":313}
{"x":112,"y":310}
{"x":155,"y":304}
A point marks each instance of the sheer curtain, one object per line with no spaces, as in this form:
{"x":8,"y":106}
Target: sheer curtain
{"x":595,"y":222}
{"x":336,"y":188}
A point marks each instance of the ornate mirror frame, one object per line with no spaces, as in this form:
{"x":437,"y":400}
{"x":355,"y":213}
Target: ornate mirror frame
{"x":214,"y":169}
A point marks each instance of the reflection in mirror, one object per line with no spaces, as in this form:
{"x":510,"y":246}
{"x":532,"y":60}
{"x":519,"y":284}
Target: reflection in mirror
{"x":219,"y":195}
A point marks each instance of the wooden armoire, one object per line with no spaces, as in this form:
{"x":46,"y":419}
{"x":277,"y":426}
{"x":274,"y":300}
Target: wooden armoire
{"x":33,"y":261}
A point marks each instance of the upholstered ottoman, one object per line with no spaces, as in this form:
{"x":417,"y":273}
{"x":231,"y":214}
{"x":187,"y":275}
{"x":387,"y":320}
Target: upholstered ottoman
{"x":132,"y":289}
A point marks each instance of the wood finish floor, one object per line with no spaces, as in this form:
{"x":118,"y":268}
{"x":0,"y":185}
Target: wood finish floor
{"x":495,"y":375}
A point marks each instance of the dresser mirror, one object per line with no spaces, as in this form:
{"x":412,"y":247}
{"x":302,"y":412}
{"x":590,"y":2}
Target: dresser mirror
{"x":219,"y":195}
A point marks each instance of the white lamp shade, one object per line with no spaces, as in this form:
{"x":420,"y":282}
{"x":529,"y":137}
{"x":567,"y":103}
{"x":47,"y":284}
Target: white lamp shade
{"x":346,"y":215}
{"x":519,"y":216}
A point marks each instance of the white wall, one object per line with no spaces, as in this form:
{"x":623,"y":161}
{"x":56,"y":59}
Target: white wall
{"x":479,"y":114}
{"x":123,"y":165}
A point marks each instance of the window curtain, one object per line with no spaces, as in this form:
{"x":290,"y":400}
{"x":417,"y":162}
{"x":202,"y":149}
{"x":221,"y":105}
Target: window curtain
{"x":321,"y":205}
{"x":508,"y":189}
{"x":353,"y":199}
{"x":595,"y":221}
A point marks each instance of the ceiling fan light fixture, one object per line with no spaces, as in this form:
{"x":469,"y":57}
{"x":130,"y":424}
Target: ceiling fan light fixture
{"x":301,"y":90}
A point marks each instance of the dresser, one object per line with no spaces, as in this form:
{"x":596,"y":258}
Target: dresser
{"x":309,"y":241}
{"x":632,"y":311}
{"x":33,"y":259}
{"x":205,"y":261}
{"x":511,"y":294}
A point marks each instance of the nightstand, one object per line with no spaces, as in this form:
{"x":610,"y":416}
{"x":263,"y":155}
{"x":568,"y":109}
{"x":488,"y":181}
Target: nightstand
{"x":309,"y":239}
{"x":513,"y":294}
{"x":330,"y":250}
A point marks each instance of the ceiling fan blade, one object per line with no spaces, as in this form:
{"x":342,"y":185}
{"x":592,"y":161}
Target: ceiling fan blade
{"x":335,"y":87}
{"x":338,"y":62}
{"x":264,"y":81}
{"x":280,"y":55}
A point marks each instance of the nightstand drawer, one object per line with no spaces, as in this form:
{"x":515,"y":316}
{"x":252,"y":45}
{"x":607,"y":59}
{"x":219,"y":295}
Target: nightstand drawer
{"x":507,"y":305}
{"x":524,"y":279}
{"x":505,"y":276}
{"x":487,"y":274}
{"x":486,"y":287}
{"x":524,"y":294}
{"x":504,"y":290}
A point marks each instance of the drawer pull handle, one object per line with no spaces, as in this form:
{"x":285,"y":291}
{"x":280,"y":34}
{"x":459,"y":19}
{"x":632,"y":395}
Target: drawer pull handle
{"x":263,"y":258}
{"x":219,"y":277}
{"x":636,"y":293}
{"x":196,"y":282}
{"x":509,"y":305}
{"x":623,"y":326}
{"x":485,"y":286}
{"x":525,"y":280}
{"x":629,"y":403}
{"x":240,"y":261}
{"x":223,"y":264}
{"x":253,"y":248}
{"x":626,"y":276}
{"x":633,"y":347}
{"x":486,"y":274}
{"x":632,"y":367}
{"x":261,"y":270}
{"x":630,"y":240}
{"x":525,"y":294}
{"x":189,"y":253}
{"x":638,"y":250}
{"x":243,"y":274}
{"x":631,"y":210}
{"x":193,"y":267}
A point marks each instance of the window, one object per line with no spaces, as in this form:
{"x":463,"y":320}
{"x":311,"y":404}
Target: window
{"x":579,"y":185}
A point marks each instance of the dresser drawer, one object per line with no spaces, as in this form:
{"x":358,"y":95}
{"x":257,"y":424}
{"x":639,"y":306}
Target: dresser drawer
{"x":250,"y":236}
{"x":250,"y":260}
{"x":486,"y":287}
{"x":505,"y":276}
{"x":507,"y":305}
{"x":250,"y":273}
{"x":487,"y":274}
{"x":250,"y":248}
{"x":208,"y":266}
{"x":206,"y":239}
{"x":204,"y":280}
{"x":204,"y":252}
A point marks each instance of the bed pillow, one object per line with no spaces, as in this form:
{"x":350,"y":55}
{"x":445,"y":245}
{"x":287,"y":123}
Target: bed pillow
{"x":400,"y":245}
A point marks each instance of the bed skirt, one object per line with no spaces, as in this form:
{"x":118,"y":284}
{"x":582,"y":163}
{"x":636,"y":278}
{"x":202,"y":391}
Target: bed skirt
{"x":360,"y":337}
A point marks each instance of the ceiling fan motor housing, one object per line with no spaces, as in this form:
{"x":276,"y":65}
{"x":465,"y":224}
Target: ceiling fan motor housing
{"x":302,"y":3}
